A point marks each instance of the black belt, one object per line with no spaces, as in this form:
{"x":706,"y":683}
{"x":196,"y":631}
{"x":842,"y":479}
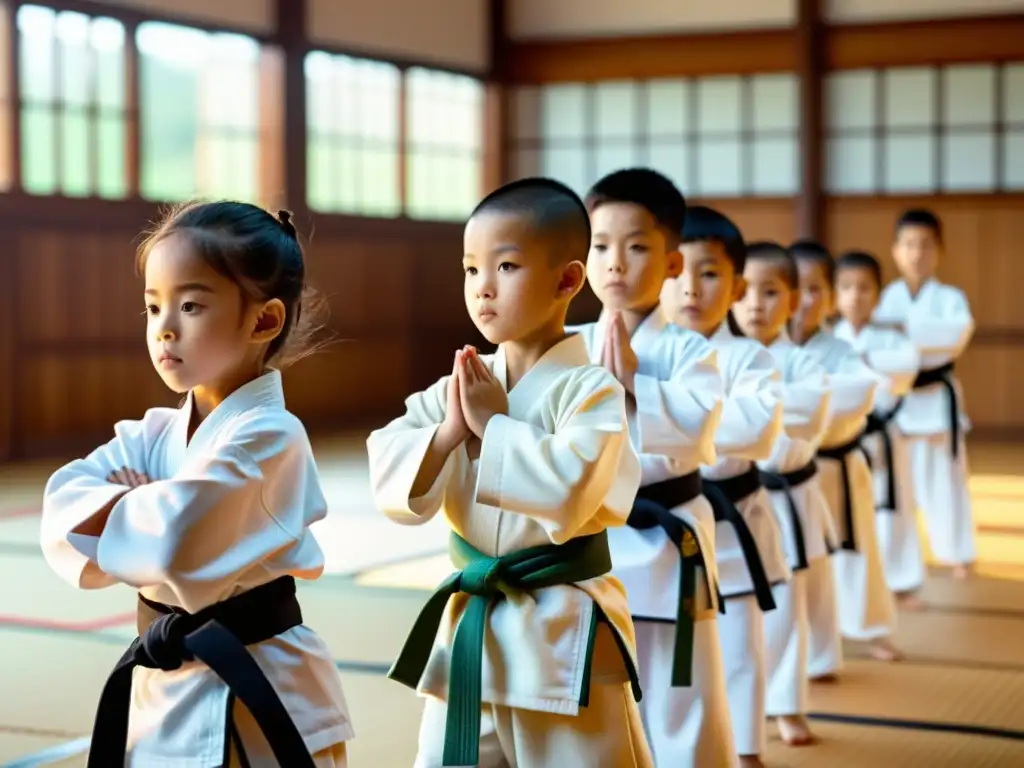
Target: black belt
{"x":944,"y":375}
{"x":785,"y":482}
{"x":839,"y":453}
{"x":215,"y":636}
{"x":724,"y":495}
{"x":652,"y":509}
{"x":878,"y":424}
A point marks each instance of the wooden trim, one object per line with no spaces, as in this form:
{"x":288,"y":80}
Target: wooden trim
{"x":810,"y":205}
{"x":132,"y":113}
{"x":648,"y":57}
{"x":932,"y":42}
{"x":291,"y":31}
{"x":10,"y":93}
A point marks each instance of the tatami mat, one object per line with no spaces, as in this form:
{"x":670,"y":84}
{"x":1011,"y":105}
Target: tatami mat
{"x":965,"y":667}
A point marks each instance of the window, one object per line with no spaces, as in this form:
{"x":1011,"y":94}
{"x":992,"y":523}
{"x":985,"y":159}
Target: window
{"x":907,"y":130}
{"x":353,"y":135}
{"x":725,"y":136}
{"x":6,"y":140}
{"x":444,"y":144}
{"x":199,"y":113}
{"x":72,"y":103}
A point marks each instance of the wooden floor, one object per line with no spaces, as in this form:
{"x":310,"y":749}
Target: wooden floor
{"x":957,"y":701}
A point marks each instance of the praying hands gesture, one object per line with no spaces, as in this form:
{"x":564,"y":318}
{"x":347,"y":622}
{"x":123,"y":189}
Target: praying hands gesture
{"x":617,"y":355}
{"x":474,"y":396}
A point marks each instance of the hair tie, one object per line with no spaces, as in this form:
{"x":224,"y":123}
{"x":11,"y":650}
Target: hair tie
{"x":285,"y":219}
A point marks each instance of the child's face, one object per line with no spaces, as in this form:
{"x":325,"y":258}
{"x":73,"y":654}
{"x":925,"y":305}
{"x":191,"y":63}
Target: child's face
{"x":199,"y":327}
{"x":815,"y":296}
{"x":629,"y":257}
{"x":514,"y":287}
{"x":700,"y":298}
{"x":769,"y":302}
{"x":856,"y":294}
{"x":916,"y":252}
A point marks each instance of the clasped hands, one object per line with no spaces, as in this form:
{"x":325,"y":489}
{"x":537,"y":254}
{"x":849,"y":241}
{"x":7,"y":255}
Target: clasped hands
{"x":474,"y":396}
{"x":617,"y":354}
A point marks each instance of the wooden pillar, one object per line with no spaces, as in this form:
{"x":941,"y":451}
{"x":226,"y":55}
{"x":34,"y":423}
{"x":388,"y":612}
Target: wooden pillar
{"x":810,"y":41}
{"x":291,"y":35}
{"x":496,"y":101}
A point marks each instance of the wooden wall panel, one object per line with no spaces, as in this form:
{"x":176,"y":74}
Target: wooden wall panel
{"x":983,"y":235}
{"x":78,"y":360}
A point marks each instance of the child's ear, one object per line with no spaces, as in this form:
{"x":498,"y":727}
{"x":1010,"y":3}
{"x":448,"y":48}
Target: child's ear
{"x":675,"y":263}
{"x":739,"y":288}
{"x":571,"y":280}
{"x":269,"y":322}
{"x":794,"y":301}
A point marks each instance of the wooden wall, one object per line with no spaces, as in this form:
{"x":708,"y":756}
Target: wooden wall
{"x":74,"y":328}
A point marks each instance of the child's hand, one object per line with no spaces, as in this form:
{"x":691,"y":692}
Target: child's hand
{"x":454,"y":430}
{"x":129,"y":477}
{"x":621,"y":358}
{"x":482,"y":394}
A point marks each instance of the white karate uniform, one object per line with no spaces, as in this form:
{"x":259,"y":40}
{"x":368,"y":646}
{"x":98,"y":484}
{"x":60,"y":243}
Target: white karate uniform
{"x":226,"y":511}
{"x":751,"y":423}
{"x":866,"y":608}
{"x":939,"y":323}
{"x":805,"y":407}
{"x":559,"y":466}
{"x":892,"y":354}
{"x":678,"y":407}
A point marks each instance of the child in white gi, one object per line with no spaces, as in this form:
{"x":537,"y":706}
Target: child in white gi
{"x":206,"y":510}
{"x":866,"y":608}
{"x":770,"y":301}
{"x":665,"y":556}
{"x":526,"y":654}
{"x":748,"y":543}
{"x":938,"y":321}
{"x":890,"y":353}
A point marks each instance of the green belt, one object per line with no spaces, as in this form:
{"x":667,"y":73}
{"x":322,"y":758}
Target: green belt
{"x":487,"y":579}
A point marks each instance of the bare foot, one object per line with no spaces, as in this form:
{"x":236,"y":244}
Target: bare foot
{"x":751,"y":761}
{"x":961,"y":572}
{"x":831,"y":677}
{"x":794,"y":730}
{"x":884,"y":650}
{"x":909,"y":601}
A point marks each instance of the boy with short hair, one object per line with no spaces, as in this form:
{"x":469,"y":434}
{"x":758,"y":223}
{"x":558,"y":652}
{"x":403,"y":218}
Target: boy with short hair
{"x":938,"y":320}
{"x":866,"y":610}
{"x":527,"y":454}
{"x":790,"y":474}
{"x":665,"y":557}
{"x":748,"y":548}
{"x":888,"y":351}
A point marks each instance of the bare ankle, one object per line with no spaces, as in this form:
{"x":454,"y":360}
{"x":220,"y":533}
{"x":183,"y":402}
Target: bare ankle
{"x":794,"y":730}
{"x":751,"y":761}
{"x":883,"y":649}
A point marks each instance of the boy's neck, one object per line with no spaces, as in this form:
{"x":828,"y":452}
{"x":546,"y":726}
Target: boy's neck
{"x":522,"y":354}
{"x":914,"y":285}
{"x":858,"y":324}
{"x":802,"y":335}
{"x":767,"y":339}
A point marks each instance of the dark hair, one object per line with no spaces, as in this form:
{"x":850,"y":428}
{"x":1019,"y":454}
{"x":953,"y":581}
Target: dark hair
{"x":769,"y":250}
{"x":920,"y":217}
{"x":706,"y":225}
{"x":552,"y":208}
{"x":648,"y":189}
{"x":860,"y":260}
{"x":261,"y":253}
{"x":813,"y":251}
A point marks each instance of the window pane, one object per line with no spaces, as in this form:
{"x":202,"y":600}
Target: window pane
{"x":776,"y":102}
{"x":107,"y":39}
{"x":850,"y":99}
{"x":1013,"y":93}
{"x":775,"y":166}
{"x":668,"y":108}
{"x":1013,"y":158}
{"x":525,"y":163}
{"x":525,"y":113}
{"x":76,"y":153}
{"x":38,"y":134}
{"x":563,"y":111}
{"x":910,"y":163}
{"x":199,"y":113}
{"x":36,"y":32}
{"x":968,"y":161}
{"x":111,"y":181}
{"x":613,"y":155}
{"x":616,"y":109}
{"x":568,"y":165}
{"x":673,"y":159}
{"x":851,"y":163}
{"x":719,"y":168}
{"x":718,"y":104}
{"x":969,"y":95}
{"x":353,"y":111}
{"x":445,"y":129}
{"x":910,"y":97}
{"x":75,"y":59}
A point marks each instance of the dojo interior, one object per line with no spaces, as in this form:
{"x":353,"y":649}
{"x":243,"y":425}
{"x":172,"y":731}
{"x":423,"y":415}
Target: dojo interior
{"x":380,"y":125}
